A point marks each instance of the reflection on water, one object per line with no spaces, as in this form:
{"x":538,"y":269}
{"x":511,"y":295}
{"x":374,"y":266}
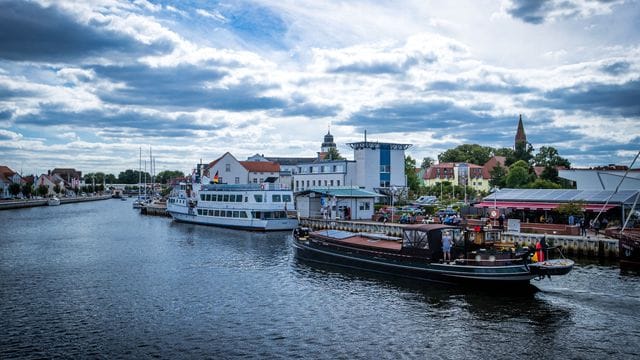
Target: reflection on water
{"x":99,"y":280}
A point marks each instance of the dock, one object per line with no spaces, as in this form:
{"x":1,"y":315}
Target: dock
{"x":600,"y":247}
{"x":20,"y":204}
{"x":155,"y":209}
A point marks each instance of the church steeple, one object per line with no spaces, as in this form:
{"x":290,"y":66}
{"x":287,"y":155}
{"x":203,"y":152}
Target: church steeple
{"x":328,"y":142}
{"x":521,"y":138}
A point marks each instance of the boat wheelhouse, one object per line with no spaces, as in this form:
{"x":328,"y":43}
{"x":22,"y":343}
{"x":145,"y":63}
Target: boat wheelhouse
{"x":263,"y":207}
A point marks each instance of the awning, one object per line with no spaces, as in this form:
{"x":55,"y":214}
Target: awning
{"x":535,"y":205}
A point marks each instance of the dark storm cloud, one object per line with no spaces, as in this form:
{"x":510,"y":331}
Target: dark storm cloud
{"x":184,"y":86}
{"x":420,"y":116}
{"x":30,"y":32}
{"x":118,"y":122}
{"x":304,"y":108}
{"x":603,"y":99}
{"x":616,"y":68}
{"x":479,"y":87}
{"x":5,"y":114}
{"x":538,"y":11}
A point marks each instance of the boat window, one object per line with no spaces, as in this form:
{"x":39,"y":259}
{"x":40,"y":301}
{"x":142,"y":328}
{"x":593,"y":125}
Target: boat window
{"x":216,"y":212}
{"x":257,"y":215}
{"x":246,"y":199}
{"x":243,"y":214}
{"x":236,"y":214}
{"x":201,"y":196}
{"x":225,"y":197}
{"x":286,"y":198}
{"x":267,"y":215}
{"x":238,"y":198}
{"x":199,"y":211}
{"x":229,"y":213}
{"x":415,"y":239}
{"x":275,"y":198}
{"x":210,"y":212}
{"x":258,"y":197}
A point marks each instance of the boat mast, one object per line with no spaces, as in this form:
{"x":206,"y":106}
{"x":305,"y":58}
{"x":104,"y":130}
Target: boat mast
{"x":140,"y":175}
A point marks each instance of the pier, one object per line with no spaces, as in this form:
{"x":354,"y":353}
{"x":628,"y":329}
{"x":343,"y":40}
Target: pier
{"x":19,"y":204}
{"x":572,"y":245}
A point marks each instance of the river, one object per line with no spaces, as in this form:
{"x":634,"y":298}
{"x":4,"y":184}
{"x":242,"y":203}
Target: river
{"x":99,"y":280}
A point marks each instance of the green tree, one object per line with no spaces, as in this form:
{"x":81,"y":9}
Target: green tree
{"x":498,"y":176}
{"x":427,"y":162}
{"x":42,"y":190}
{"x":56,"y":189}
{"x":27,"y":189}
{"x":542,"y":184}
{"x":506,"y":152}
{"x":548,"y":156}
{"x":165,"y":176}
{"x":572,"y":208}
{"x":131,"y":176}
{"x":550,"y":173}
{"x":469,"y":153}
{"x":110,"y":179}
{"x":14,"y":189}
{"x":410,"y":172}
{"x":333,"y":154}
{"x":518,"y":175}
{"x":523,"y":151}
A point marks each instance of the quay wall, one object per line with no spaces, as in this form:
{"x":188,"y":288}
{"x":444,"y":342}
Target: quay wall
{"x":20,"y":204}
{"x":154,"y":210}
{"x":578,"y":246}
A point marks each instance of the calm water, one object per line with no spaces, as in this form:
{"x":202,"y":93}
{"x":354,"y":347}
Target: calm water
{"x":99,"y":280}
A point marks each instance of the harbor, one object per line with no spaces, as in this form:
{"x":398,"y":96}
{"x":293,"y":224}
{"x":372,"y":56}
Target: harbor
{"x":108,"y":280}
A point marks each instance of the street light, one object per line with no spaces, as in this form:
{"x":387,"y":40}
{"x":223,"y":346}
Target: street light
{"x":393,"y":193}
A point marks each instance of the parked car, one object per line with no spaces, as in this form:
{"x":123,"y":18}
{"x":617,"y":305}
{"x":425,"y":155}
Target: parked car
{"x":446,"y":212}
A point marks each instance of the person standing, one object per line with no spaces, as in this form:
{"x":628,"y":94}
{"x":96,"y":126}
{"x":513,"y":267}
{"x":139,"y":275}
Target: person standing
{"x":583,"y":227}
{"x":446,"y":246}
{"x":501,"y":221}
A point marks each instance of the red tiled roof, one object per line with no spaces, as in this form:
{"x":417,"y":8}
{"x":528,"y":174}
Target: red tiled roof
{"x":6,"y":171}
{"x":490,"y":164}
{"x":261,"y":166}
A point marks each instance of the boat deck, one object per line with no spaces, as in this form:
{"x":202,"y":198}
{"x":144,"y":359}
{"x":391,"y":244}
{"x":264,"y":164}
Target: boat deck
{"x":360,"y":240}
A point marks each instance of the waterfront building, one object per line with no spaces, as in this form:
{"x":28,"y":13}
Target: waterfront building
{"x":603,"y":178}
{"x":344,"y":202}
{"x":461,"y":174}
{"x":8,"y":177}
{"x":68,"y":174}
{"x":227,"y":169}
{"x":380,"y":166}
{"x":328,"y":174}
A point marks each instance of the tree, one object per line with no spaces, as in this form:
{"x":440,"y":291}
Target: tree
{"x":410,"y":172}
{"x":523,"y":151}
{"x":14,"y":189}
{"x":333,"y":154}
{"x":498,"y":176}
{"x":427,"y":162}
{"x":131,"y":176}
{"x":56,"y":189}
{"x":165,"y":176}
{"x":518,"y":175}
{"x":550,"y":173}
{"x":548,"y":156}
{"x":469,"y":153}
{"x":27,"y":189}
{"x":543,"y":184}
{"x":572,"y":208}
{"x":42,"y":190}
{"x":506,"y":152}
{"x":110,"y":179}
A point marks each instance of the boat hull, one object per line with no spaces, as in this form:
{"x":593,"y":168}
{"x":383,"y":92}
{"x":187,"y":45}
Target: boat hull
{"x":413,"y":269}
{"x":236,"y":223}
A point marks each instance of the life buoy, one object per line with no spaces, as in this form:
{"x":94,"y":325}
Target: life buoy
{"x":494,"y":213}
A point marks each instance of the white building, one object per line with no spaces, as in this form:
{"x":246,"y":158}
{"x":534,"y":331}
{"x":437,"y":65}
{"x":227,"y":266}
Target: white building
{"x":380,"y":166}
{"x":231,"y":171}
{"x":332,"y":173}
{"x":589,"y":179}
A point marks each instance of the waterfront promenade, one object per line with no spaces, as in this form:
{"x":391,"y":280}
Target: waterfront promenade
{"x":19,"y":204}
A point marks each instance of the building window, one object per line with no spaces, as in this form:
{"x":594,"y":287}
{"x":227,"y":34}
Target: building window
{"x":255,"y":180}
{"x":307,"y":183}
{"x":297,"y":184}
{"x":227,"y":167}
{"x":331,"y":182}
{"x":338,"y":182}
{"x":237,"y":180}
{"x":325,"y":183}
{"x":310,"y":169}
{"x":314,"y":183}
{"x":322,"y":168}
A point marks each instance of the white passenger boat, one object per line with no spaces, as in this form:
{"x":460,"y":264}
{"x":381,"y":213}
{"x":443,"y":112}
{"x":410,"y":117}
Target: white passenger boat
{"x":53,"y":201}
{"x":262,"y":207}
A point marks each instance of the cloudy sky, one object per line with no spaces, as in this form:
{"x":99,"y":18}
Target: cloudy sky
{"x":85,"y":84}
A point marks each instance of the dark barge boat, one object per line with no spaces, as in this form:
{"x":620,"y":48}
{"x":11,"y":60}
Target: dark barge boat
{"x":418,"y":255}
{"x":629,"y":249}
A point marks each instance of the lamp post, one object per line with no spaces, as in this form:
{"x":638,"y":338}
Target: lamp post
{"x":393,"y":195}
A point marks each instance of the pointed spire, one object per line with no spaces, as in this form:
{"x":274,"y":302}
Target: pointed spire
{"x":520,"y":135}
